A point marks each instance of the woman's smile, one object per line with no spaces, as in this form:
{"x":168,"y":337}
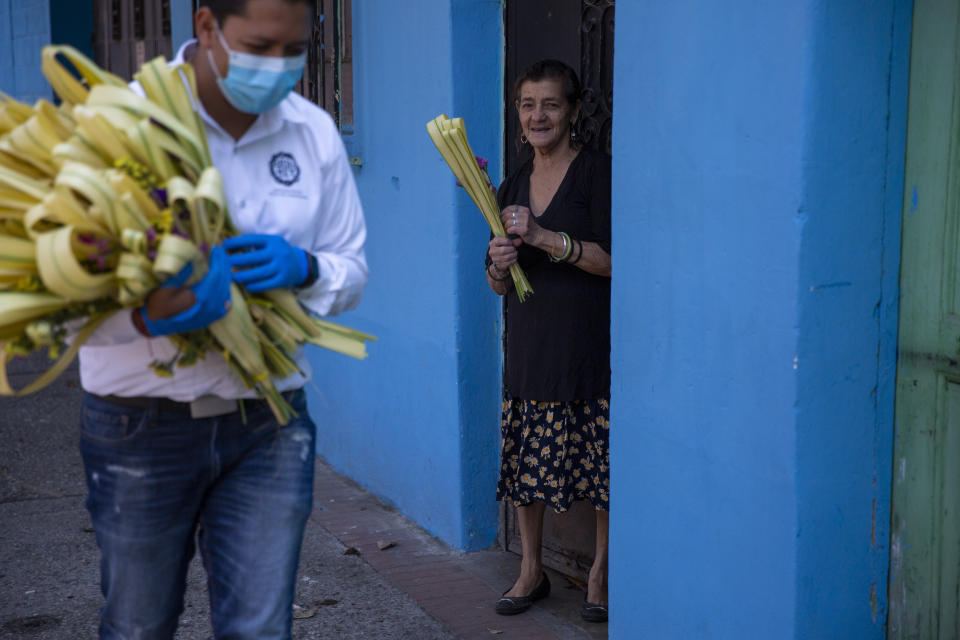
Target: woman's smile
{"x":545,"y":116}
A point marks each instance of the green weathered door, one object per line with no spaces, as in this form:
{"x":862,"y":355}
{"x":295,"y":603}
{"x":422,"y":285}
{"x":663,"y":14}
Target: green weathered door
{"x":925,"y":532}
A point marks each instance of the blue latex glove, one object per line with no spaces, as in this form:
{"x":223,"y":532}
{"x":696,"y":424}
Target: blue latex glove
{"x":212,"y":293}
{"x":261,"y":262}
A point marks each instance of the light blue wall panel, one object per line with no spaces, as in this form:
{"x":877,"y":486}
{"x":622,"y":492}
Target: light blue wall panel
{"x":707,"y":144}
{"x":29,"y":31}
{"x":417,"y":422}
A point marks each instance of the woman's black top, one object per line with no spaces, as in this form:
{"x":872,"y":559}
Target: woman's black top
{"x":557,"y":342}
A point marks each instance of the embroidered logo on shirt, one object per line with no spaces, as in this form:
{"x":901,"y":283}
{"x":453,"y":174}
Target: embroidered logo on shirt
{"x":284,"y":168}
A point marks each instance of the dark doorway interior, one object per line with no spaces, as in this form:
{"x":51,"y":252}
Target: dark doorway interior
{"x":580,"y":33}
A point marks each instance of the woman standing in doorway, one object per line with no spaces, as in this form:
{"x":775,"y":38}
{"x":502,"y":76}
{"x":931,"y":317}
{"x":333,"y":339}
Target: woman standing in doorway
{"x":555,"y":422}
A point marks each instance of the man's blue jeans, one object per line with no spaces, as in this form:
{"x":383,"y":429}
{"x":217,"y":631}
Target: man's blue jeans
{"x":159,"y":479}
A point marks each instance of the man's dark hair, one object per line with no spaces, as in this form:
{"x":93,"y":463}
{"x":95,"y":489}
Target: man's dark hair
{"x":221,"y":9}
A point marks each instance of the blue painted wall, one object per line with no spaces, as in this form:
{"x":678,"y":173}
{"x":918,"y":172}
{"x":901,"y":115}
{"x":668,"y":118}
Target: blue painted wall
{"x":24,"y":30}
{"x":477,"y":27}
{"x":181,"y":22}
{"x":6,"y":46}
{"x":708,"y":139}
{"x":418,"y":422}
{"x":758,"y":162}
{"x":849,"y":270}
{"x":757,"y":175}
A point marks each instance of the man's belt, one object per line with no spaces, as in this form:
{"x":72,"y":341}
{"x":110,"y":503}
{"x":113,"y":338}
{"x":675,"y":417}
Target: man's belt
{"x":203,"y":407}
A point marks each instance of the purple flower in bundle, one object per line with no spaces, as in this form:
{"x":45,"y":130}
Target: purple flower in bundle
{"x":87,"y":238}
{"x":204,"y":247}
{"x":151,"y":234}
{"x":180,"y":234}
{"x":101,"y":262}
{"x":160,"y":195}
{"x":152,"y":255}
{"x":481,"y":162}
{"x":184,"y":215}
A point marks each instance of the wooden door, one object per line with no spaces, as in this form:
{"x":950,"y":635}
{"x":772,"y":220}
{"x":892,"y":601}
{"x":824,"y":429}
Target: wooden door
{"x":580,"y":33}
{"x":925,"y":531}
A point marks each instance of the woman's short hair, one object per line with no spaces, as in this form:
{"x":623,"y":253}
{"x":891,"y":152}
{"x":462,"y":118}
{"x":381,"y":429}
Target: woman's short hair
{"x":551,"y":70}
{"x":221,"y":9}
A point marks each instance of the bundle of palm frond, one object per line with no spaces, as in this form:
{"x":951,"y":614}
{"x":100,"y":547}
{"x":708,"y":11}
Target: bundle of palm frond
{"x":450,"y":136}
{"x":105,"y":197}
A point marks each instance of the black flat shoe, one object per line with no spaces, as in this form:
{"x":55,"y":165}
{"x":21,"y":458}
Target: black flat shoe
{"x":518,"y":604}
{"x":593,"y":612}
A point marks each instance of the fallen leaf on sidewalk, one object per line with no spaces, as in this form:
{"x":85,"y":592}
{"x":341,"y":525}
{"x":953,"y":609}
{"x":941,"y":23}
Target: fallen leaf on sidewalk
{"x":573,"y":583}
{"x":301,"y":613}
{"x":351,"y":551}
{"x":383,"y":545}
{"x":495,"y":631}
{"x":325,"y":603}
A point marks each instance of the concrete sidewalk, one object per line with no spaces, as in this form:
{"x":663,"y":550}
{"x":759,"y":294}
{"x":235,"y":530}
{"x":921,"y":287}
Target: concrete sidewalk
{"x":347,"y":587}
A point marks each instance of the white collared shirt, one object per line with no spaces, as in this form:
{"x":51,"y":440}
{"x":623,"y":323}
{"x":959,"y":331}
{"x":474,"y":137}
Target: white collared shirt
{"x":289,"y":176}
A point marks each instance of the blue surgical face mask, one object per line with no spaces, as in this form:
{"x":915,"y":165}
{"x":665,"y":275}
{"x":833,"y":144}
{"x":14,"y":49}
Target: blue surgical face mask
{"x":255,"y":84}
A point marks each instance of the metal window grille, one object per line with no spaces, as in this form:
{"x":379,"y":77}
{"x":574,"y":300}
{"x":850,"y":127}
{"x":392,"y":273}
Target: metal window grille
{"x":116,"y":21}
{"x":139,"y":20}
{"x":166,"y":28}
{"x":596,"y":72}
{"x":328,"y":77}
{"x":127,"y":33}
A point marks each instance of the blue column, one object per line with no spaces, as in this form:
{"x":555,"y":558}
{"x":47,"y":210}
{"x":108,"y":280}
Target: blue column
{"x":849,"y":233}
{"x":757,"y":179}
{"x":477,"y":96}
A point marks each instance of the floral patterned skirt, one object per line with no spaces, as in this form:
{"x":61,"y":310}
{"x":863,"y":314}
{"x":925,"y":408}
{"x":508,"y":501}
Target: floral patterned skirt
{"x":555,"y":452}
